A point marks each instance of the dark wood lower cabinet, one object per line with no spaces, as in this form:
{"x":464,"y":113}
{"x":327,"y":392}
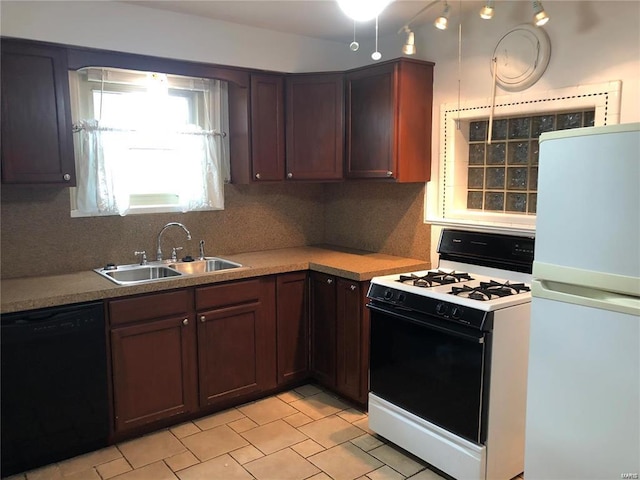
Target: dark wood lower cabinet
{"x":236,"y":339}
{"x":323,"y":328}
{"x":292,"y":327}
{"x":153,"y":359}
{"x":340,"y":335}
{"x":352,"y":340}
{"x":175,"y":354}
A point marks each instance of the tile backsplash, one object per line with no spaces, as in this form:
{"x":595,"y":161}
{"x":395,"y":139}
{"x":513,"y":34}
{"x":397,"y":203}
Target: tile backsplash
{"x":39,"y":237}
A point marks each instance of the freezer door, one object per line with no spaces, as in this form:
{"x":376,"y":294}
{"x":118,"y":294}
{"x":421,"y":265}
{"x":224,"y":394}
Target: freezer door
{"x":588,"y":202}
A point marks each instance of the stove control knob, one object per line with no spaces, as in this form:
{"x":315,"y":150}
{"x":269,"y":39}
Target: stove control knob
{"x":388,"y":294}
{"x":401,"y":297}
{"x":456,"y":313}
{"x":442,"y":308}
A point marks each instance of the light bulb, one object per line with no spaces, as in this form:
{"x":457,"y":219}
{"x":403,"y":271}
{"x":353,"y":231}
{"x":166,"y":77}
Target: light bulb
{"x":354,"y":46}
{"x":442,"y":21}
{"x":376,"y":55}
{"x":487,"y":11}
{"x":363,"y":10}
{"x":409,"y":48}
{"x":540,"y":17}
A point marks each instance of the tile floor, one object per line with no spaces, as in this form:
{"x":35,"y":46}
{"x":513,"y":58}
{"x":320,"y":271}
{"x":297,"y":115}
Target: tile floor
{"x":306,"y":433}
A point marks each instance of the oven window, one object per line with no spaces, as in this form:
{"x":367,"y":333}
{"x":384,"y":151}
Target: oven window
{"x":434,"y":375}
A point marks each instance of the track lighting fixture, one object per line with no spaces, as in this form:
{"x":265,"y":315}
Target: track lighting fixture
{"x":409,"y":47}
{"x":540,"y":17}
{"x":363,"y":10}
{"x":487,"y":10}
{"x":442,"y":21}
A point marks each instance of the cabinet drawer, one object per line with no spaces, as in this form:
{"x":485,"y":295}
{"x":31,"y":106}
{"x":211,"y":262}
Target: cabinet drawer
{"x":150,"y":307}
{"x":217,"y":296}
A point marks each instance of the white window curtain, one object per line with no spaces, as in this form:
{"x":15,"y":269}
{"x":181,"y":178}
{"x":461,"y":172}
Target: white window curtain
{"x":112,"y":160}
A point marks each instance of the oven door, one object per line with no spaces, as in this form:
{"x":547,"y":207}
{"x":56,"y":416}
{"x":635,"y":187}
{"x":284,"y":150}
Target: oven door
{"x":432,"y":368}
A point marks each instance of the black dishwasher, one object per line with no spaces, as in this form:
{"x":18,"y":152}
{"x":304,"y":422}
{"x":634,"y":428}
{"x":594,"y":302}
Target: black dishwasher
{"x":54,"y":385}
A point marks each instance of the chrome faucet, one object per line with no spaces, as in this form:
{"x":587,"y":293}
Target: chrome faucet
{"x":170,"y":224}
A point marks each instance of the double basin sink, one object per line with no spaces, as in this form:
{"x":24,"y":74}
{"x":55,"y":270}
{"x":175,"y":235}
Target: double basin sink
{"x":152,"y":272}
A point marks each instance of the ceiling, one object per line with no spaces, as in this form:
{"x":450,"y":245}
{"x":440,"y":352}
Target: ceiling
{"x":313,"y":18}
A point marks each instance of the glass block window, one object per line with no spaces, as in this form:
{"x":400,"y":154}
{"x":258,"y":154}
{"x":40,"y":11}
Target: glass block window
{"x":503,"y":174}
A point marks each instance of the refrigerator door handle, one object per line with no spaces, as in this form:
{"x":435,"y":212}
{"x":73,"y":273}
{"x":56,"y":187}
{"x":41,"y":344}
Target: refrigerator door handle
{"x":576,"y":294}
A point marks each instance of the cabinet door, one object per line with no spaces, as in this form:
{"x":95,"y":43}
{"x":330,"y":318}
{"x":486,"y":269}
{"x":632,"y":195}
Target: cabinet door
{"x":267,"y":127}
{"x":236,"y":339}
{"x":37,"y":147}
{"x":154,"y":371}
{"x":292,"y":327}
{"x":371,"y":119}
{"x":315,"y":127}
{"x":323,"y":327}
{"x":352,"y":339}
{"x":389,"y":121}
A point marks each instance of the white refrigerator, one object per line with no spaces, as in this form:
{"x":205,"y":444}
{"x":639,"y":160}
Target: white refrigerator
{"x":583,"y":391}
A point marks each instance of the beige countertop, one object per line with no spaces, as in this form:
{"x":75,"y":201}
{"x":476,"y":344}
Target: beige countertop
{"x":19,"y":294}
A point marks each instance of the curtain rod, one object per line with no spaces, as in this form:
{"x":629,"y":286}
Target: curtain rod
{"x":78,"y":128}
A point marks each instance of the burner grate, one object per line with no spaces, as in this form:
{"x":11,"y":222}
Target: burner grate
{"x":489,"y":290}
{"x":434,"y":278}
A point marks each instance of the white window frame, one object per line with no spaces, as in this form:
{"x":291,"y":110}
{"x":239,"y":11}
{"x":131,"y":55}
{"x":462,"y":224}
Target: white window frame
{"x":446,"y":194}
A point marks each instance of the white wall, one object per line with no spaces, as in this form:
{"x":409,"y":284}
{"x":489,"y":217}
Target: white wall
{"x":591,"y":42}
{"x":130,"y":28}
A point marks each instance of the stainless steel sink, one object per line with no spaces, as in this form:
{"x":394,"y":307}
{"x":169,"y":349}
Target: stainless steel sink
{"x":153,"y":272}
{"x":135,"y":274}
{"x":209,"y":264}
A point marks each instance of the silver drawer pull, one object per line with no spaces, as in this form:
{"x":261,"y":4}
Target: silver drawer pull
{"x":203,"y":318}
{"x":185,"y":321}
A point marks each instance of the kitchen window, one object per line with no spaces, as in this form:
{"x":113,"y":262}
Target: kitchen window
{"x":502,"y":175}
{"x":492,"y":184}
{"x":147,"y":142}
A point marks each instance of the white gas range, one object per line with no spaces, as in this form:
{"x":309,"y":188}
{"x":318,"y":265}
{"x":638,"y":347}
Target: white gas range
{"x":449,"y":349}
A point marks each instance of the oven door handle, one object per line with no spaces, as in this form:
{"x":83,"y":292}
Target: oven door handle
{"x":479,"y":338}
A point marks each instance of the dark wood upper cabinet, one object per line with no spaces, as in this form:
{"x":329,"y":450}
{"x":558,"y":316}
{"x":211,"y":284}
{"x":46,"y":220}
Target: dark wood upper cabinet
{"x":37,"y":143}
{"x":315,"y":126}
{"x":267,"y":127}
{"x":388,"y":121}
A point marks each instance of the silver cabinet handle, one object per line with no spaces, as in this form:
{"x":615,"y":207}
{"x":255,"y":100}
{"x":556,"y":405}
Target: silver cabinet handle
{"x":185,"y":321}
{"x":66,"y":177}
{"x":289,"y":175}
{"x":203,"y":318}
{"x":389,"y":174}
{"x":352,"y":287}
{"x":329,"y":281}
{"x":258,"y":176}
